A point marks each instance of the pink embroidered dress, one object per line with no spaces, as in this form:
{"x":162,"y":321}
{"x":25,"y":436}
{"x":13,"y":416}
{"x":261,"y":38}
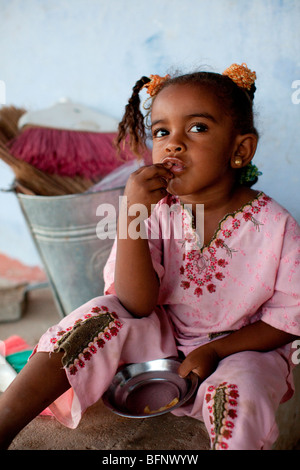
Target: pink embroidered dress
{"x":250,"y":270}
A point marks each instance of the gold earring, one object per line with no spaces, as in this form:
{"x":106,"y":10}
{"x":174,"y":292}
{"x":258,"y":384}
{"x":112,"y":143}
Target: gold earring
{"x":238,"y":160}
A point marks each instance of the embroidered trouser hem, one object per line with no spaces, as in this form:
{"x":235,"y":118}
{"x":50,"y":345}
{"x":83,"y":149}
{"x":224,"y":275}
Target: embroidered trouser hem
{"x":238,"y":402}
{"x":96,"y":339}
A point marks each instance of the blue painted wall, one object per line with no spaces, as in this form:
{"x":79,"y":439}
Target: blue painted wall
{"x":93,"y":51}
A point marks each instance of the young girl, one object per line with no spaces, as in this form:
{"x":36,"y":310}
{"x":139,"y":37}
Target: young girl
{"x":227,"y":299}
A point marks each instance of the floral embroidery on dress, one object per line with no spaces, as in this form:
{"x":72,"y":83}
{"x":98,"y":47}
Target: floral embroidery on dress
{"x":222,"y":407}
{"x":88,"y":334}
{"x":201,"y":267}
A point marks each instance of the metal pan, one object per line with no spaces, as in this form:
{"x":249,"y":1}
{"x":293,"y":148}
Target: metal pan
{"x":149,"y":389}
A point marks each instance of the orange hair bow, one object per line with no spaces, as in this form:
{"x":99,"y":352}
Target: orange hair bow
{"x":155,"y":84}
{"x":241,"y":75}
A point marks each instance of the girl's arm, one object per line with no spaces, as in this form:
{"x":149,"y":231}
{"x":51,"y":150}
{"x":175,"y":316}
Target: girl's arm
{"x":258,"y":336}
{"x":136,"y":282}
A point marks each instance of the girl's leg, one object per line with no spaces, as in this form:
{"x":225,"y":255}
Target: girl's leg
{"x":38,"y":384}
{"x":86,"y":347}
{"x":241,"y":399}
{"x":96,"y":339}
{"x":238,"y":402}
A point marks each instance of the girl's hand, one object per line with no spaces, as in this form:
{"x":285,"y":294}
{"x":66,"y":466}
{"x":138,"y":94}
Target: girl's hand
{"x":147,"y":185}
{"x":258,"y":336}
{"x":203,"y":361}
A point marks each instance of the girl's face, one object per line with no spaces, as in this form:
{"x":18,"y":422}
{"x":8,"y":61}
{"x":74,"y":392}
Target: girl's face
{"x":191,"y":132}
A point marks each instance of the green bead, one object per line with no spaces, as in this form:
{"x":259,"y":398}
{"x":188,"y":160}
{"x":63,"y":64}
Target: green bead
{"x":249,"y":173}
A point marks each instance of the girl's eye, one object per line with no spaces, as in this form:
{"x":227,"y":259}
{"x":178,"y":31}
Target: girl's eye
{"x":160,"y":133}
{"x":198,"y":128}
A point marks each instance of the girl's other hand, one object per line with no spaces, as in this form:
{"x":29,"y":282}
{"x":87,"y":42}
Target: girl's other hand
{"x":203,"y":361}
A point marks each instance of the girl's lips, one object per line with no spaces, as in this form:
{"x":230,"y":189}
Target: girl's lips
{"x":175,"y":165}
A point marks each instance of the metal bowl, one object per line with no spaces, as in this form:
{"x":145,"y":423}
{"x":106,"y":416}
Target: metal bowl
{"x":149,"y":389}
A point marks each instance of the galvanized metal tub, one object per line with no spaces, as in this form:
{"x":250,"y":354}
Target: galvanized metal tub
{"x":64,"y":231}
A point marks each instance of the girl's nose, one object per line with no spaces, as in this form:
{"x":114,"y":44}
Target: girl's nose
{"x":175,"y":146}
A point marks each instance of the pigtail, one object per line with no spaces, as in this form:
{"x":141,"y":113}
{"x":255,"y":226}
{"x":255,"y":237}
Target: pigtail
{"x":251,"y":92}
{"x":132,"y":124}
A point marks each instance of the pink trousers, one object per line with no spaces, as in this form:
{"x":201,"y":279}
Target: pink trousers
{"x":237,"y":402}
